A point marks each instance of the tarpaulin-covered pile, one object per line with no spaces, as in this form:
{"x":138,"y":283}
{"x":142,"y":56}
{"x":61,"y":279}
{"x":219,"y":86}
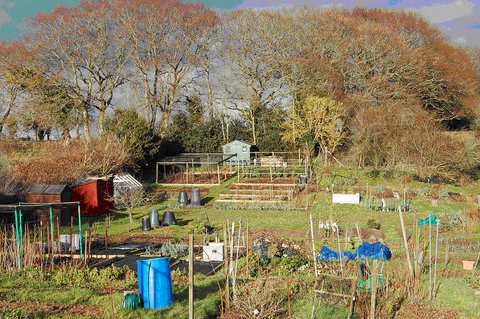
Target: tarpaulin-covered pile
{"x":373,"y":251}
{"x":326,"y":254}
{"x":364,"y":251}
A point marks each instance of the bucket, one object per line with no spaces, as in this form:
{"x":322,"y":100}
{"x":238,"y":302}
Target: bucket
{"x":182,"y":199}
{"x":468,"y":264}
{"x":155,"y":283}
{"x":196,"y":198}
{"x":154,"y":222}
{"x":146,"y":226}
{"x":169,"y":219}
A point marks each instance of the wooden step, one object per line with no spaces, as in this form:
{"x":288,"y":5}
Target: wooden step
{"x":251,"y":201}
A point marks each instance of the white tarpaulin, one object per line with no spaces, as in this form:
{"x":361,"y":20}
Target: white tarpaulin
{"x":346,"y":198}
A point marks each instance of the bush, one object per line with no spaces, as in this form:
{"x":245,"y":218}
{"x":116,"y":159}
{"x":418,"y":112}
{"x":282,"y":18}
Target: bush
{"x":374,"y":223}
{"x":202,"y":226}
{"x":267,"y":295}
{"x":287,"y":265}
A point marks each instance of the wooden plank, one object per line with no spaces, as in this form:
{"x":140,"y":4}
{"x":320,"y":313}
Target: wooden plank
{"x":333,"y":294}
{"x":250,"y":201}
{"x":252,"y":195}
{"x":194,"y":185}
{"x":266,"y":184}
{"x":277,"y":191}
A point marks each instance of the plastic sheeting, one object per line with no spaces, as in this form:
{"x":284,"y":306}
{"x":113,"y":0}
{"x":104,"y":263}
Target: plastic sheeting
{"x":364,"y":251}
{"x":373,"y":251}
{"x":326,"y":254}
{"x":430,"y":220}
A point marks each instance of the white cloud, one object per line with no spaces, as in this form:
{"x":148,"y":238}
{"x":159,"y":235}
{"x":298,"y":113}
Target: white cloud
{"x":439,"y":13}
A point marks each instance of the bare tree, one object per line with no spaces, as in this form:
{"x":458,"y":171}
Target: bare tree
{"x":165,"y":38}
{"x":78,"y":49}
{"x":129,"y":198}
{"x":247,"y":58}
{"x":14,"y":59}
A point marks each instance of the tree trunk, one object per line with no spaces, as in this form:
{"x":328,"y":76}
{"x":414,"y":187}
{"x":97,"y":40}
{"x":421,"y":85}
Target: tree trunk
{"x":325,"y":151}
{"x":101,"y":120}
{"x":86,"y":123}
{"x":130,"y":216}
{"x":164,"y":121}
{"x":254,"y":132}
{"x":7,"y":113}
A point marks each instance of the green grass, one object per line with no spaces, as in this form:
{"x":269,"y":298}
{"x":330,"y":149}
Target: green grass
{"x":302,"y":308}
{"x":455,"y":293}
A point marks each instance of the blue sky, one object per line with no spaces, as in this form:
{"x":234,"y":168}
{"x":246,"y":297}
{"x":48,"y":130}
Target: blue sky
{"x":458,"y":19}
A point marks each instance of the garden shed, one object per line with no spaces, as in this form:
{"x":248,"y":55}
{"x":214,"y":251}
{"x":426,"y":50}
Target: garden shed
{"x":41,"y":193}
{"x":243,"y":151}
{"x":57,"y":193}
{"x":94,"y":194}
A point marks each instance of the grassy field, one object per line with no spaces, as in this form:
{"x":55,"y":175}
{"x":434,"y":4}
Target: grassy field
{"x":75,"y":301}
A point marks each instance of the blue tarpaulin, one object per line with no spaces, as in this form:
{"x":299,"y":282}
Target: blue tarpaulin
{"x":373,"y":251}
{"x":326,"y":254}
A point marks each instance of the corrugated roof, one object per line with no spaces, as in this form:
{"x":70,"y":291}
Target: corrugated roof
{"x":55,"y":189}
{"x":37,"y":189}
{"x":47,"y":189}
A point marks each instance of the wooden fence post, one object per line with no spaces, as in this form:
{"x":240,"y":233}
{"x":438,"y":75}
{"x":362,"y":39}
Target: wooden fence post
{"x":313,"y":245}
{"x":404,"y":234}
{"x":374,"y":289}
{"x":191,"y":311}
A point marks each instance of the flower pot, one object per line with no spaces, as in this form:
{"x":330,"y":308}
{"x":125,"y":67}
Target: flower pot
{"x":468,"y":264}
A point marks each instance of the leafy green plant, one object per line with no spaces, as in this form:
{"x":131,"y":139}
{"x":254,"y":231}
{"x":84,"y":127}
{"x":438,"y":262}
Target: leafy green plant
{"x":472,"y":278}
{"x":287,"y":265}
{"x":173,"y":250}
{"x":374,"y":223}
{"x":202,"y":226}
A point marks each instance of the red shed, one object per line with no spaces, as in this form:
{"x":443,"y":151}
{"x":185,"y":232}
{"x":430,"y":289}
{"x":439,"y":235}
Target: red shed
{"x":94,"y":195}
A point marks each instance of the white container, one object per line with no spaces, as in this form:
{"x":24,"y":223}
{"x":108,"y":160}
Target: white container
{"x":346,"y":198}
{"x":65,"y":240}
{"x":213,"y":252}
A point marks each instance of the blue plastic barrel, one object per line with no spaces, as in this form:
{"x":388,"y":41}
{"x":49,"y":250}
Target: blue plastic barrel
{"x":155,"y":283}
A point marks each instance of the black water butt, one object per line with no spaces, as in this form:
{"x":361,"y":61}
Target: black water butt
{"x":169,"y":219}
{"x":196,"y":198}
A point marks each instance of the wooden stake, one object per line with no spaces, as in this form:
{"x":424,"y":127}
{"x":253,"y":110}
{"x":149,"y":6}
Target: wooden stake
{"x":436,"y":259}
{"x":71,"y":235}
{"x":248,"y":249}
{"x":313,"y":245}
{"x":339,"y":251}
{"x":226,"y":266}
{"x":404,"y":234}
{"x":41,"y":245}
{"x":374,"y":289}
{"x":234,"y":283}
{"x":447,"y":248}
{"x":106,"y":233}
{"x":359,"y":234}
{"x":58,"y":237}
{"x":191,"y":310}
{"x":415,"y":248}
{"x":288,"y":296}
{"x":430,"y":259}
